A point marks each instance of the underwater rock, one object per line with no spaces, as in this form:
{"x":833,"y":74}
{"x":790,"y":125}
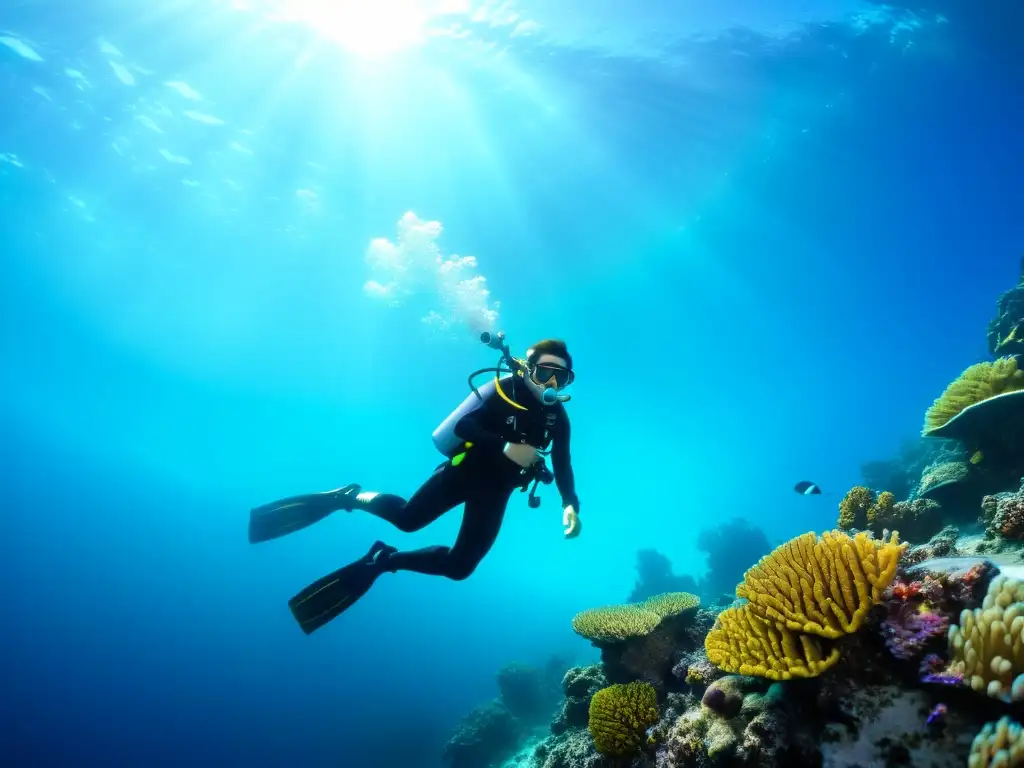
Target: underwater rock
{"x":485,"y":737}
{"x":572,"y":749}
{"x":942,"y":544}
{"x":579,"y":686}
{"x":731,"y":548}
{"x":525,"y":693}
{"x":1003,"y":514}
{"x":724,"y":697}
{"x":887,"y":726}
{"x":764,"y":733}
{"x":694,"y":669}
{"x":655,"y":577}
{"x":1006,"y":330}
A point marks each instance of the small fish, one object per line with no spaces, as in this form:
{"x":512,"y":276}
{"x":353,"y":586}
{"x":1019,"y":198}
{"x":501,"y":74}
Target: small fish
{"x":807,"y":488}
{"x":937,"y":717}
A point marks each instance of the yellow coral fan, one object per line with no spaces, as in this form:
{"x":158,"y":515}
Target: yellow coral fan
{"x":822,"y":586}
{"x":988,"y":646}
{"x":671,"y":603}
{"x":979,"y":382}
{"x":998,"y":745}
{"x":854,"y":506}
{"x":620,"y":716}
{"x":614,"y":623}
{"x":741,"y":642}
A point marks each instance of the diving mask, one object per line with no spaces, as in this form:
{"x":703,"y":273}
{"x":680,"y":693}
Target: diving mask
{"x":544,"y":373}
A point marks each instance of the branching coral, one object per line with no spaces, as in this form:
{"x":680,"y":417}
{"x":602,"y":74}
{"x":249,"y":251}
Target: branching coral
{"x":807,"y":588}
{"x":998,"y":745}
{"x":979,"y":382}
{"x":987,"y":647}
{"x":620,"y":716}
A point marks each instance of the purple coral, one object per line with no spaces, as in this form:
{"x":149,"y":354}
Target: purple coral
{"x":908,"y":628}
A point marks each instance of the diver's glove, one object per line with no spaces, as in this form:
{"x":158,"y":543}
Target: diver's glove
{"x":571,"y":521}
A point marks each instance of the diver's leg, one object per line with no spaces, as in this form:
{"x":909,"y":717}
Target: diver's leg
{"x":443,"y":490}
{"x":481,"y":521}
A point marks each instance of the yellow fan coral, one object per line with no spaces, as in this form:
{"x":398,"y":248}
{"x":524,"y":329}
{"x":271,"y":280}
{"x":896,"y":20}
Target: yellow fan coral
{"x":979,"y":382}
{"x":743,"y":643}
{"x":620,"y":716}
{"x":807,"y":586}
{"x":822,"y":586}
{"x":988,"y":646}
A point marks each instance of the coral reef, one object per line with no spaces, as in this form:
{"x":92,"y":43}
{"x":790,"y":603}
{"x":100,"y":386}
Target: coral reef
{"x":579,"y":685}
{"x":640,"y":641}
{"x":807,"y":589}
{"x":998,"y":745}
{"x":525,"y":692}
{"x":987,"y":647}
{"x":1006,"y":329}
{"x":485,"y":737}
{"x":730,"y":548}
{"x":620,"y":716}
{"x":977,"y":383}
{"x":1003,"y":514}
{"x":655,"y":577}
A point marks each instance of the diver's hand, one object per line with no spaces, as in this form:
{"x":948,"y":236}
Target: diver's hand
{"x":571,"y":521}
{"x":522,"y":454}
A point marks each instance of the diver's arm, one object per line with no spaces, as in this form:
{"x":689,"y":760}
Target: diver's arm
{"x":472,"y":428}
{"x":561,"y":465}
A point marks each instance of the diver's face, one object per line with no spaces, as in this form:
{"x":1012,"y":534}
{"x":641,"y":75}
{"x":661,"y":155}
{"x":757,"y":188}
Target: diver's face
{"x":543,"y":374}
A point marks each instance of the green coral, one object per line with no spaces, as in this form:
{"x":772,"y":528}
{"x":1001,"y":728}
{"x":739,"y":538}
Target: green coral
{"x":616,"y":623}
{"x":978,"y":382}
{"x":620,"y":716}
{"x":854,"y":507}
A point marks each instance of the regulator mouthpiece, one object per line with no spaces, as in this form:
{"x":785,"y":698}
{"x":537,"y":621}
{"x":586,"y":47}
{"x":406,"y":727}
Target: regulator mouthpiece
{"x":550,"y":397}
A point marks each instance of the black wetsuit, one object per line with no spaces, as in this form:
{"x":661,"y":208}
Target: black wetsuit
{"x":483,"y":481}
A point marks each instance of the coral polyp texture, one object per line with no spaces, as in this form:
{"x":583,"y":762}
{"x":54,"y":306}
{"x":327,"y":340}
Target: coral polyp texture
{"x":620,"y":716}
{"x":987,"y":648}
{"x":744,"y":643}
{"x":998,"y":745}
{"x":807,"y":588}
{"x":616,"y":623}
{"x":979,"y":382}
{"x":822,"y":586}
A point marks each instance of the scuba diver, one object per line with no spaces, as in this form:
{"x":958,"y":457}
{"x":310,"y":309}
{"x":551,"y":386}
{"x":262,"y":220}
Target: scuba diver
{"x":494,"y":443}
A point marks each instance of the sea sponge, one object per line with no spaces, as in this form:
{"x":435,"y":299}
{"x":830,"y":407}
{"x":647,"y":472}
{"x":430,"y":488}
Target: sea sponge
{"x":744,"y":643}
{"x":823,"y":586}
{"x":998,"y":745}
{"x":620,"y":716}
{"x":978,"y":382}
{"x":616,"y":623}
{"x":987,"y":649}
{"x":854,"y":507}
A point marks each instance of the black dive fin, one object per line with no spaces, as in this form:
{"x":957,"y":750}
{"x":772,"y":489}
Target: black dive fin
{"x":279,"y":518}
{"x":327,"y":598}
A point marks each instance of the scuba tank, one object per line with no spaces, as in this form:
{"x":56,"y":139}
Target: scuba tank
{"x":450,"y":445}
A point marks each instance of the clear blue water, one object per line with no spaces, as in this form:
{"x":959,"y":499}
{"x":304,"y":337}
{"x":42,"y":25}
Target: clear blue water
{"x":769,"y":235}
